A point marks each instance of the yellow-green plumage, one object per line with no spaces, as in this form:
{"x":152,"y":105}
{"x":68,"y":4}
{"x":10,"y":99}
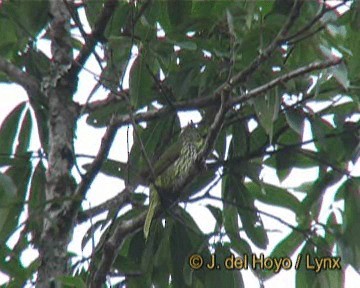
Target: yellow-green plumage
{"x":190,"y":144}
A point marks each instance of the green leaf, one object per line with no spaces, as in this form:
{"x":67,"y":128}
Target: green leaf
{"x":13,"y":267}
{"x":8,"y":38}
{"x":274,"y":195}
{"x":216,"y":212}
{"x":118,"y":53}
{"x":71,"y":282}
{"x":161,"y":259}
{"x":223,"y":277}
{"x":267,"y":109}
{"x":37,"y":64}
{"x":9,"y":128}
{"x":101,"y":117}
{"x":239,"y":145}
{"x":20,"y":175}
{"x":349,"y":244}
{"x":284,"y":249}
{"x":157,"y":13}
{"x":8,"y":193}
{"x":265,"y":6}
{"x":118,"y":20}
{"x":355,"y":19}
{"x":24,"y":134}
{"x":340,"y":73}
{"x":287,"y":246}
{"x":93,"y":11}
{"x":350,"y":139}
{"x":326,"y":51}
{"x":316,"y":193}
{"x":188,"y":45}
{"x":295,"y":120}
{"x":296,"y":158}
{"x":220,"y":145}
{"x":329,"y":147}
{"x":8,"y":188}
{"x":29,"y":18}
{"x":201,"y":181}
{"x":231,"y":223}
{"x":90,"y":233}
{"x":185,"y":77}
{"x":159,"y":142}
{"x":241,"y":247}
{"x":37,"y":200}
{"x":178,"y":11}
{"x":180,"y":249}
{"x":141,"y":81}
{"x":20,"y":22}
{"x":306,"y":277}
{"x":244,"y":203}
{"x":7,"y":160}
{"x":112,"y":168}
{"x":258,"y":140}
{"x":229,"y":211}
{"x":192,"y":228}
{"x":284,"y":164}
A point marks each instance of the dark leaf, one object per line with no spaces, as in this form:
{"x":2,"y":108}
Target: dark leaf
{"x":178,"y":12}
{"x":349,"y":244}
{"x":9,"y":128}
{"x":24,"y":134}
{"x":273,"y":195}
{"x":37,"y":200}
{"x":20,"y":175}
{"x":221,"y":277}
{"x":141,"y":83}
{"x":216,"y":212}
{"x":8,"y":193}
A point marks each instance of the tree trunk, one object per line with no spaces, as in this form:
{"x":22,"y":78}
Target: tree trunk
{"x":59,"y":215}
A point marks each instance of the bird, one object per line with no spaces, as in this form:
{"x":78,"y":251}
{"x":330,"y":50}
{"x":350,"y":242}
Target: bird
{"x":162,"y":190}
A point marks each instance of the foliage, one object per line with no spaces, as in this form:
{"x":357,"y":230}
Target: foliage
{"x":256,"y":71}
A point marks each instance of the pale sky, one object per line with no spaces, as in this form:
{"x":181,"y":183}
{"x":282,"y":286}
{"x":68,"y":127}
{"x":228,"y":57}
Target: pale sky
{"x":88,"y":142}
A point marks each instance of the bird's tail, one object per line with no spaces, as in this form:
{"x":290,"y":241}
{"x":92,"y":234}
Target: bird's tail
{"x":153,"y":206}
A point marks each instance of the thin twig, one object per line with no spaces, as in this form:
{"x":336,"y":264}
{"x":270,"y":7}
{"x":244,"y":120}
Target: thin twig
{"x":266,"y":53}
{"x":94,"y":37}
{"x":310,"y":24}
{"x":27,"y":81}
{"x":102,"y":154}
{"x":119,"y":201}
{"x":209,"y":100}
{"x":113,"y":245}
{"x":142,"y":147}
{"x":284,"y":78}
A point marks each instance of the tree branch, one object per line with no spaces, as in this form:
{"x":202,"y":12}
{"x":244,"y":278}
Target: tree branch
{"x":114,"y":97}
{"x":102,"y":154}
{"x":284,"y":78}
{"x":94,"y":37}
{"x":310,"y":24}
{"x":244,"y":74}
{"x":118,"y":201}
{"x":112,"y":247}
{"x":114,"y":243}
{"x":131,"y":24}
{"x":58,"y":88}
{"x":306,"y":232}
{"x":197,"y":103}
{"x":28,"y":82}
{"x":76,"y":18}
{"x":32,"y":87}
{"x":265,"y":54}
